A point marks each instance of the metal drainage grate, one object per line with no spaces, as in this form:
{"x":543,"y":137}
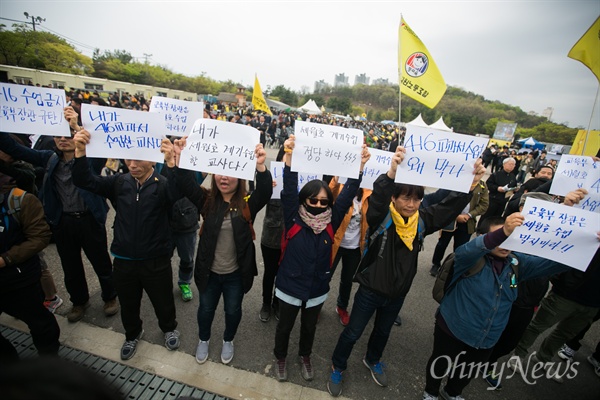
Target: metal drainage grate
{"x":133,"y":383}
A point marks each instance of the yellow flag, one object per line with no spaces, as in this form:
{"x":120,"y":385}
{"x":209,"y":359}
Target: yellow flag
{"x":590,"y":141}
{"x":258,"y":100}
{"x":587,"y":49}
{"x":420,"y":78}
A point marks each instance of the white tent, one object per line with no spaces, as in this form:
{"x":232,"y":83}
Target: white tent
{"x":310,"y":108}
{"x":440,"y":125}
{"x":418,"y":122}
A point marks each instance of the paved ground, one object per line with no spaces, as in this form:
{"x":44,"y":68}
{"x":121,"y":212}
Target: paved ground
{"x":250,"y":373}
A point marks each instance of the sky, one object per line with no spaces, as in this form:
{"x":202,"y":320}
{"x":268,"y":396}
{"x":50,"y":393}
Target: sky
{"x":511,"y":51}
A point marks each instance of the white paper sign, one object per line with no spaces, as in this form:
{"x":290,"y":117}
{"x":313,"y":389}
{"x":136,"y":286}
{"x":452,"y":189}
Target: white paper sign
{"x":121,"y":133}
{"x":556,"y":232}
{"x":277,"y":173}
{"x":179,"y":115}
{"x":33,"y":110}
{"x":378,"y":164}
{"x":574,"y":172}
{"x":439,"y":159}
{"x":222,"y":148}
{"x":327,"y":149}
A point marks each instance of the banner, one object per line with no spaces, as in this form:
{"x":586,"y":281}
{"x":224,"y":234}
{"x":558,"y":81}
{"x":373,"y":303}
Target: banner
{"x":574,"y":172}
{"x":222,"y":148}
{"x":556,"y":232}
{"x":121,"y":133}
{"x":587,"y":49}
{"x":420,"y":78}
{"x":439,"y":159}
{"x":327,"y":149}
{"x":258,"y":100}
{"x":33,"y":110}
{"x":378,"y":164}
{"x":505,"y":131}
{"x":179,"y":115}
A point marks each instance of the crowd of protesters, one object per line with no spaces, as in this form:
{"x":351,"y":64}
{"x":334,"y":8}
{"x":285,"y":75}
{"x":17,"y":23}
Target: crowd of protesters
{"x":485,"y":316}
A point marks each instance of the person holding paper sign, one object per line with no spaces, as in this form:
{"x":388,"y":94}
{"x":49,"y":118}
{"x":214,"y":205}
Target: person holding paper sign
{"x":142,"y":240}
{"x":311,"y":217}
{"x":226,"y":257}
{"x":387,"y":270}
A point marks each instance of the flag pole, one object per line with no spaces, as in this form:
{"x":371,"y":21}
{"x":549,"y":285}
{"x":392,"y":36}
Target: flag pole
{"x":587,"y":134}
{"x":399,"y":80}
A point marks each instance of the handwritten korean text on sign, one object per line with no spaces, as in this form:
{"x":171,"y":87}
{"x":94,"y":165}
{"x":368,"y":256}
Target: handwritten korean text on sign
{"x":222,"y":148}
{"x":378,"y":164}
{"x":277,"y":173}
{"x":576,"y":172}
{"x":33,"y":110}
{"x":327,"y":149}
{"x":439,"y":159}
{"x":556,"y":232}
{"x":179,"y":115}
{"x":121,"y":133}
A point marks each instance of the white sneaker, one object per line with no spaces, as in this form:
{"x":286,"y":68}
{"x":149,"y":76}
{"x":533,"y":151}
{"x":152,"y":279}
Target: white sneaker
{"x":202,"y":351}
{"x":427,"y":396}
{"x":227,"y":352}
{"x":595,"y":363}
{"x":566,"y":353}
{"x":446,"y":396}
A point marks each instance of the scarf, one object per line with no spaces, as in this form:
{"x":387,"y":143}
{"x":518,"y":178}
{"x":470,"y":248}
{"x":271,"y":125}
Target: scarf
{"x":405,"y":230}
{"x":317,"y":223}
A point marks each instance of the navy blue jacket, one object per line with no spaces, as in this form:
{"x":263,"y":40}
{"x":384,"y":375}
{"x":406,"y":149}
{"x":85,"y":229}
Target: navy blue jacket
{"x":305,"y":270}
{"x":47,"y":193}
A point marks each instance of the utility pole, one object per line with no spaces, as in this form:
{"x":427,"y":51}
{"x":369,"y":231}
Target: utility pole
{"x":39,"y":20}
{"x":147,"y":56}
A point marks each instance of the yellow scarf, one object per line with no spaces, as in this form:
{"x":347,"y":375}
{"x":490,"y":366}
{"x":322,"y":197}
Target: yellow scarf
{"x":405,"y":230}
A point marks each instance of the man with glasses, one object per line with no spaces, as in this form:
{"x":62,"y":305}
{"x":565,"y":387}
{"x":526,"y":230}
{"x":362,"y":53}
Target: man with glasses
{"x":76,"y":217}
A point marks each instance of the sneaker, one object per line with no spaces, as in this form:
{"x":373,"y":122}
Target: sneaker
{"x":377,"y":372}
{"x":111,"y":307}
{"x":227,"y":352}
{"x":398,"y":320}
{"x":130,"y":346}
{"x":265,"y":313}
{"x":202,"y":351}
{"x":334,"y":384}
{"x":281,"y":370}
{"x":566,"y":353}
{"x":493,"y":380}
{"x":427,"y":396}
{"x":307,"y":369}
{"x":172,"y":340}
{"x":344,"y":316}
{"x":434,"y":270}
{"x":186,"y":292}
{"x":595,"y":363}
{"x":53,"y":304}
{"x":77,"y":312}
{"x":446,"y":396}
{"x":515,"y":363}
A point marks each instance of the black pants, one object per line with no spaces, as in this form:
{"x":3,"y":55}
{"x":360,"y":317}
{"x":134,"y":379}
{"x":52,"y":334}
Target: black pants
{"x":350,"y":259}
{"x":27,"y":305}
{"x":447,"y":348}
{"x":271,"y":261}
{"x":461,"y":236}
{"x":72,"y":235}
{"x":308,"y":328}
{"x":575,"y":343}
{"x":518,"y":321}
{"x":154,"y":276}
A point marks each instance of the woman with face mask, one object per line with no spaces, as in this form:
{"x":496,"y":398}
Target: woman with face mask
{"x":311,"y":219}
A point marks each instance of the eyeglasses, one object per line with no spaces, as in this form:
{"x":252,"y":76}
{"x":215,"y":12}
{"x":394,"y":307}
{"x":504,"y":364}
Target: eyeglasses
{"x":313,"y":201}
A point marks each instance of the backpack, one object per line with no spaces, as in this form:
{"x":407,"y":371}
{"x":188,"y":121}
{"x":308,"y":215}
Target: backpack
{"x":286,"y":236}
{"x":444,"y":281}
{"x":15,"y":198}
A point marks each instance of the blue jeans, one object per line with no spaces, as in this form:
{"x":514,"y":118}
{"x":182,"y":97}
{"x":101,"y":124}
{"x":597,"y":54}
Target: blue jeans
{"x":366,"y":303}
{"x":230,"y":285}
{"x":185,"y":243}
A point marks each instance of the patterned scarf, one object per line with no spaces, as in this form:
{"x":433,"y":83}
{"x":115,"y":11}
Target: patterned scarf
{"x":405,"y":230}
{"x":317,"y":223}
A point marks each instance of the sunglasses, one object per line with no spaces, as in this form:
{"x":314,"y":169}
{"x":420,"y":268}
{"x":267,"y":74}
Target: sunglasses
{"x":314,"y":201}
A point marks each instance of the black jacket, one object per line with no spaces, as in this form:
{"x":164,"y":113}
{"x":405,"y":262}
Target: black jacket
{"x":207,"y":243}
{"x":499,"y":179}
{"x":392,"y":274}
{"x":580,"y":287}
{"x":141,"y":228}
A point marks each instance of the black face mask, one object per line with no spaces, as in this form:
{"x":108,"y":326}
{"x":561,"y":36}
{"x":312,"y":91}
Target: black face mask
{"x":315,"y":210}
